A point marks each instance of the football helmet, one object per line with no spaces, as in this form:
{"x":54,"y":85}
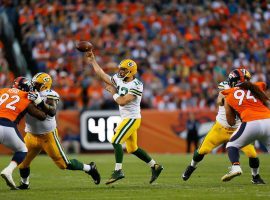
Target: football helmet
{"x":22,"y":83}
{"x":224,"y":85}
{"x":41,"y":81}
{"x":238,"y":76}
{"x":127,"y":68}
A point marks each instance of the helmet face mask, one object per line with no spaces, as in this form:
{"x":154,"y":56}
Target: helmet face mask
{"x":127,"y":69}
{"x":41,"y":81}
{"x":123,"y":73}
{"x":224,"y":85}
{"x":22,"y":83}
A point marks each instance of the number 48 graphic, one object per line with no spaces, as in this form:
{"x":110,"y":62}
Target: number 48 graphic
{"x":102,"y":124}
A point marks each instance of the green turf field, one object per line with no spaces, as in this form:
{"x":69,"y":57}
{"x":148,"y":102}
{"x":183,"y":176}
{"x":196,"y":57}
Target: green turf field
{"x":48,"y":182}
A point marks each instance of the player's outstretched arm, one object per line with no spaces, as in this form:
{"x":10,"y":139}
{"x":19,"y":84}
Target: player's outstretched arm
{"x":35,"y":112}
{"x":99,"y":71}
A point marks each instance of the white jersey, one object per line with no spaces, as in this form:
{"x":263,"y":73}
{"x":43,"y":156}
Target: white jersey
{"x":35,"y":126}
{"x":134,"y":87}
{"x":221,"y":118}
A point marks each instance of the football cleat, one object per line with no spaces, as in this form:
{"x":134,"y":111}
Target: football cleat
{"x":156,"y":170}
{"x":189,"y":170}
{"x":7,"y":176}
{"x":93,"y":172}
{"x":235,"y":171}
{"x":23,"y":186}
{"x":116,"y":175}
{"x":257,"y":180}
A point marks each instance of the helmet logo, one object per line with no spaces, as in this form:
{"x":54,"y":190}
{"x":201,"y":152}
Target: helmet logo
{"x":130,"y":64}
{"x":232,"y":75}
{"x":46,"y":79}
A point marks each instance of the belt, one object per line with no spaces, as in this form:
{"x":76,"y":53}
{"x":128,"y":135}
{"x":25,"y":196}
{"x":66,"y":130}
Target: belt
{"x":229,"y":129}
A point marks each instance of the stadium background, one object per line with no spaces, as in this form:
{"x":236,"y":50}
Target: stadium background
{"x":183,"y":49}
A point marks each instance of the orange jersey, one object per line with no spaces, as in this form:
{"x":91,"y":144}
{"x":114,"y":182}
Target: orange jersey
{"x":13,"y":104}
{"x":248,"y":107}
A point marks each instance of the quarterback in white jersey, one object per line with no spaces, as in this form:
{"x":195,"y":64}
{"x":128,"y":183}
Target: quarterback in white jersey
{"x":127,"y":93}
{"x":43,"y":135}
{"x":219,"y":134}
{"x":134,"y":87}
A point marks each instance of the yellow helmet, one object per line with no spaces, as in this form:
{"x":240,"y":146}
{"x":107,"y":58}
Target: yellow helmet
{"x":41,"y":81}
{"x":128,"y":64}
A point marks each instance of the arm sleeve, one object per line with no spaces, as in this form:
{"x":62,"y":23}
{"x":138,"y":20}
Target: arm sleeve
{"x":136,"y":90}
{"x":261,"y":85}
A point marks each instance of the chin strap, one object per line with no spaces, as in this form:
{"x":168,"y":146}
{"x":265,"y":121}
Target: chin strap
{"x":125,"y":76}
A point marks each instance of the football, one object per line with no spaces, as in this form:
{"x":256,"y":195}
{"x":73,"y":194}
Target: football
{"x":84,"y":46}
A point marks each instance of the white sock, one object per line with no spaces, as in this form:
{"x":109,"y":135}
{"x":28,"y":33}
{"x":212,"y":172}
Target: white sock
{"x":118,"y":166}
{"x":25,"y":180}
{"x":193,"y":163}
{"x":151,"y":163}
{"x":254,"y":171}
{"x":86,"y":168}
{"x":12,"y":165}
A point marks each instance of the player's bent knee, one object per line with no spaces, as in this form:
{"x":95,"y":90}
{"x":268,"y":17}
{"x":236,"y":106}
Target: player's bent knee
{"x":204,"y":151}
{"x":131,"y":149}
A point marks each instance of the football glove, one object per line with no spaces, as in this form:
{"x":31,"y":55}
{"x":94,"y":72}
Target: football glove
{"x":35,"y":97}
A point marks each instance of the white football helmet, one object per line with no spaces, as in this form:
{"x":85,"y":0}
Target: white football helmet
{"x":224,"y":85}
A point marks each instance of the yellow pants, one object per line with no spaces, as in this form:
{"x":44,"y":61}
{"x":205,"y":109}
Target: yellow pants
{"x":219,"y":135}
{"x":50,"y":144}
{"x":126,"y":131}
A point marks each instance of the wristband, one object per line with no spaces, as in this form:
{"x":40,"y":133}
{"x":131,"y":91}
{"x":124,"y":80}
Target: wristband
{"x":115,"y":96}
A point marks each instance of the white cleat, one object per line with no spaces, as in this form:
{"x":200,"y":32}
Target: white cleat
{"x":8,"y":178}
{"x":235,"y":171}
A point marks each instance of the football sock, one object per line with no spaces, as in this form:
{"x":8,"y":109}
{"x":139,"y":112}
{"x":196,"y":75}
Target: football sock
{"x":233,"y":154}
{"x":197,"y":157}
{"x":140,"y":153}
{"x":254,"y":164}
{"x":193,"y":163}
{"x":18,"y":157}
{"x":75,"y":165}
{"x":254,"y":171}
{"x":25,"y":173}
{"x":12,"y":165}
{"x":151,"y":163}
{"x":118,"y":166}
{"x":118,"y":152}
{"x":86,"y":168}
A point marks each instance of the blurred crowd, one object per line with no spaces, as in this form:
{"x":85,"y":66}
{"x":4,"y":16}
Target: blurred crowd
{"x":6,"y":75}
{"x":182,"y":48}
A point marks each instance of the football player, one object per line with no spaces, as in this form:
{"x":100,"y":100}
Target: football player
{"x":43,"y":135}
{"x":14,"y":103}
{"x":219,"y":134}
{"x":127,"y":93}
{"x":249,"y":101}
